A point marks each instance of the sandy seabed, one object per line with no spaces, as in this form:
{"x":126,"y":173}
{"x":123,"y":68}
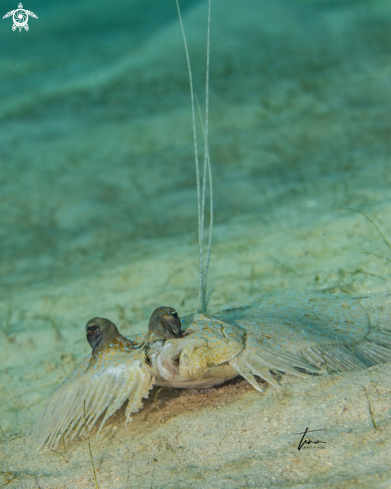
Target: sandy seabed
{"x":99,"y":219}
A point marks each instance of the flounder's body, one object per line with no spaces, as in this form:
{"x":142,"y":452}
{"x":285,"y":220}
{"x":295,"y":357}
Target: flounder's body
{"x":292,"y":333}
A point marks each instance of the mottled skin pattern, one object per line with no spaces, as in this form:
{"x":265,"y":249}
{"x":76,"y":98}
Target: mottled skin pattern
{"x":291,"y":332}
{"x":199,"y":358}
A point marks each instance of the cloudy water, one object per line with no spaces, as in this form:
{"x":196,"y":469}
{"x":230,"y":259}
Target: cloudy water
{"x":98,"y":217}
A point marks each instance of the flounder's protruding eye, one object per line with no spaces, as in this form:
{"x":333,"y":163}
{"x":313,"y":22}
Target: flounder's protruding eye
{"x":93,"y":334}
{"x":164,"y":323}
{"x":172,"y":323}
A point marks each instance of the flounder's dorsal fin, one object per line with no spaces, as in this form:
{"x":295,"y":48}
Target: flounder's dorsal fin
{"x":299,"y":333}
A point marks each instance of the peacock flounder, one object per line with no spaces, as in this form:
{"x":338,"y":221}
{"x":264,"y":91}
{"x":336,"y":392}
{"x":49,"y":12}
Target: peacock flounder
{"x":290,"y":333}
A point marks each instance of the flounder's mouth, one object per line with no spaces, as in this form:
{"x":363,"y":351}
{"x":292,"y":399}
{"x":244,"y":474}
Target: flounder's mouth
{"x":168,"y":360}
{"x":201,"y":352}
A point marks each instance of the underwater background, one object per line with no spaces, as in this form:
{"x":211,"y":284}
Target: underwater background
{"x":98,"y":218}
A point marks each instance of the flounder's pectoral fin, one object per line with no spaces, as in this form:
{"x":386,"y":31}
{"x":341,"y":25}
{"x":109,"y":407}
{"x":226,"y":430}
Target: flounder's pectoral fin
{"x":255,"y":360}
{"x":95,"y":386}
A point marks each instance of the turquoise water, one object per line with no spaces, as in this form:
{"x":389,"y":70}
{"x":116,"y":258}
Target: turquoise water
{"x":98,"y":200}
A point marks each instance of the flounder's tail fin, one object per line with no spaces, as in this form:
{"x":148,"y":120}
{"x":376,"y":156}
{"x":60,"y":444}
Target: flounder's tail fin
{"x":372,"y":350}
{"x":323,"y":334}
{"x":299,"y":333}
{"x":322,"y":358}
